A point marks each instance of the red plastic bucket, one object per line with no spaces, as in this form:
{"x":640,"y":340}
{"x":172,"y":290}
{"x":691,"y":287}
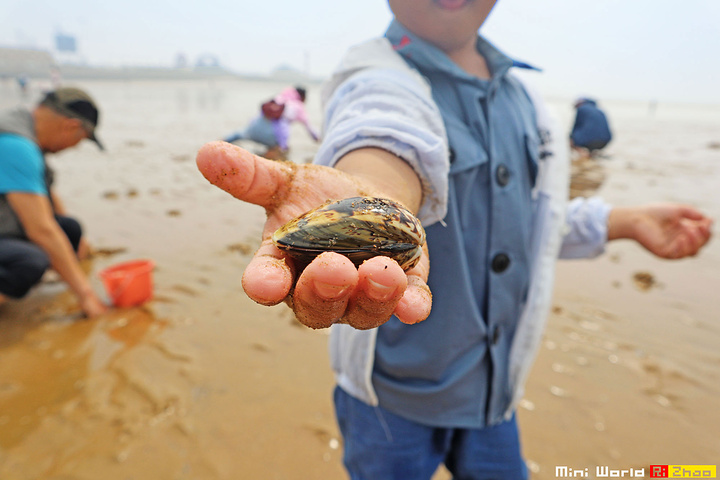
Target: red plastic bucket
{"x":130,"y":283}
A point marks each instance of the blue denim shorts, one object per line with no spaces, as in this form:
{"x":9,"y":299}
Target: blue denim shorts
{"x":379,"y":445}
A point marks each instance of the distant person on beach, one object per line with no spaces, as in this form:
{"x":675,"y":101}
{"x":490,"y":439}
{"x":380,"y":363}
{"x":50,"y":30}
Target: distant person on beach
{"x":432,"y":116}
{"x":55,"y":77}
{"x":591,"y":130}
{"x":22,"y":82}
{"x":35,"y":233}
{"x":271,"y":127}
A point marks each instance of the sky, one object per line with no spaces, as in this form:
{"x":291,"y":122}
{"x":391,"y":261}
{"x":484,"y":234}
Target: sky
{"x":646,"y":50}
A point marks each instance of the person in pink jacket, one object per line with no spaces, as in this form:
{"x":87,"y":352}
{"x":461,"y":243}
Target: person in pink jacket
{"x":275,"y":133}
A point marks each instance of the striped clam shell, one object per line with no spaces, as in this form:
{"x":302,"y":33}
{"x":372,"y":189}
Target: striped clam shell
{"x":358,"y":227}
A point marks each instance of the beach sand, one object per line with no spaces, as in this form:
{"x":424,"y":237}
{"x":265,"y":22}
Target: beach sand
{"x":202,"y":383}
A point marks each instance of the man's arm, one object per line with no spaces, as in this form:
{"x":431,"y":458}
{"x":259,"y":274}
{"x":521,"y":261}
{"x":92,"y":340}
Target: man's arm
{"x":36,"y":216}
{"x":58,"y":205}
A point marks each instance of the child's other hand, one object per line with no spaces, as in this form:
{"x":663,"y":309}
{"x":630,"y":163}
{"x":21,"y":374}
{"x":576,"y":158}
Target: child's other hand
{"x":667,"y":230}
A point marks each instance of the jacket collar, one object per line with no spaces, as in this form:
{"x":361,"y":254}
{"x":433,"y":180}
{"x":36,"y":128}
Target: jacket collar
{"x":430,"y":58}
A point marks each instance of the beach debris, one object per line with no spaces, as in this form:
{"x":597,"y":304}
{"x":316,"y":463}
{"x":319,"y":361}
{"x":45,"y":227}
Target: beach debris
{"x":526,"y":404}
{"x":560,"y":368}
{"x":558,"y":392}
{"x":110,"y":195}
{"x":644,"y":280}
{"x":534,"y":467}
{"x":714,"y":145}
{"x":582,"y":361}
{"x":173,"y":213}
{"x":243,"y":248}
{"x":359,"y":228}
{"x":106,"y":251}
{"x":591,"y":326}
{"x":260,"y":347}
{"x":184,"y":289}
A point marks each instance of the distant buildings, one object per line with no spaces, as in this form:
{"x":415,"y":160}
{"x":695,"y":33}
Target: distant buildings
{"x":65,"y":43}
{"x":287,"y":73}
{"x":31,"y":63}
{"x":207,"y":60}
{"x":65,"y":63}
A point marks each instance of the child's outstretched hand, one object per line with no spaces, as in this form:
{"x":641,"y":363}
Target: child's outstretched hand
{"x":330,"y":289}
{"x":671,"y":231}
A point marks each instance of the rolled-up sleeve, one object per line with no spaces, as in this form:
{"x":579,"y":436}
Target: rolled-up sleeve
{"x":389,"y":109}
{"x":586,"y":233}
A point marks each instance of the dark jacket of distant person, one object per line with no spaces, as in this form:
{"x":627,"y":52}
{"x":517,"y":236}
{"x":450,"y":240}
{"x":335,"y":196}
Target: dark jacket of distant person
{"x":591,"y":129}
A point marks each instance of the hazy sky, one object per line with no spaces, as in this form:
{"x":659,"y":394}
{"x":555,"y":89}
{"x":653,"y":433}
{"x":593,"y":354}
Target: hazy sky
{"x":622,"y":49}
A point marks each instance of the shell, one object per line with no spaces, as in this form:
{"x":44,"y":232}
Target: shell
{"x":359,"y":228}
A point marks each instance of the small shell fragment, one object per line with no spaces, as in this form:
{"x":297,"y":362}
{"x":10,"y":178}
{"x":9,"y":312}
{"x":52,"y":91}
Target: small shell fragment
{"x":359,"y":228}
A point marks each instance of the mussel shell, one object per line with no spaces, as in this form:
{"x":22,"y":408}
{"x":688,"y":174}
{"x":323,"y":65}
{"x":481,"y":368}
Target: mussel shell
{"x":359,"y":228}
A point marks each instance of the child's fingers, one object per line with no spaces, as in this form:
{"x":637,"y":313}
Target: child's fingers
{"x":380,"y":287}
{"x":268,"y":278}
{"x":323,"y":290}
{"x":416,"y":303}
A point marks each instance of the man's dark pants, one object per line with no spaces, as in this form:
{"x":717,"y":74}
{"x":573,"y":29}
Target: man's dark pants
{"x":22,"y":263}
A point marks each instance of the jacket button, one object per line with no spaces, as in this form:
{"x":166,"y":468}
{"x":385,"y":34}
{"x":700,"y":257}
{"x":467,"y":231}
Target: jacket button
{"x":502,"y":175}
{"x":500,"y":263}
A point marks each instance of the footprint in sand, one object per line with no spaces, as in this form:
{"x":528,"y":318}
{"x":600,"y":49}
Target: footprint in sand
{"x":185,"y":290}
{"x":644,"y":280}
{"x":107,"y":251}
{"x":243,"y":248}
{"x":559,"y":391}
{"x":135,"y":143}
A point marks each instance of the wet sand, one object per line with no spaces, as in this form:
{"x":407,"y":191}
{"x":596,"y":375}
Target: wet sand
{"x":201,"y":383}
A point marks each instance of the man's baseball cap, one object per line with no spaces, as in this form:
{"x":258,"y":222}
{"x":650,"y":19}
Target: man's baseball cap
{"x":75,"y":103}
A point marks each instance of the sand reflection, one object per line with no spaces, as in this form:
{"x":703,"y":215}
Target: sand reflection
{"x":49,"y":365}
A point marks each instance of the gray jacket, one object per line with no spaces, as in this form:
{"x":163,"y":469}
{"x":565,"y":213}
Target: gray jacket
{"x":17,"y":122}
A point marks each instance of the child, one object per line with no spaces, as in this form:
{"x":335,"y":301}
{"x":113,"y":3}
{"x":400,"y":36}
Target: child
{"x":430,"y":116}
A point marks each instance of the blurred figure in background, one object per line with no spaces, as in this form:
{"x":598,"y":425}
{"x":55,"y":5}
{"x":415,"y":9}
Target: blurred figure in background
{"x":35,"y":232}
{"x":271,"y":127}
{"x":22,"y":82}
{"x":591,"y":131}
